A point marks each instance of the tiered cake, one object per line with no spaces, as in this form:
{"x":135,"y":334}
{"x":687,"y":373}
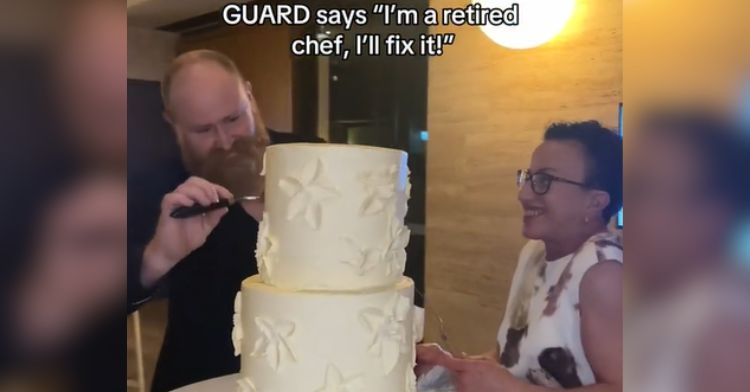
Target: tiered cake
{"x":331,"y":310}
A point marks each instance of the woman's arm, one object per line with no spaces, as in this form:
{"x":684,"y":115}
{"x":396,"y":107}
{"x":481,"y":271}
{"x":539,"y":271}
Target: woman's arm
{"x":601,"y":321}
{"x":601,"y":307}
{"x":601,"y":332}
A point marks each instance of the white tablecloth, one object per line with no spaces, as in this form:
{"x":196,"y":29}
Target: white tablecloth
{"x":219,"y":384}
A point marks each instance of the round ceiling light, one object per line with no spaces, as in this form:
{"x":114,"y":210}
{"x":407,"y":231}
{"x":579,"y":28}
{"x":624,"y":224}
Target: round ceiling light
{"x":538,"y":22}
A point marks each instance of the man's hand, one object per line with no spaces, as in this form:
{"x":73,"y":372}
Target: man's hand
{"x":174,"y":239}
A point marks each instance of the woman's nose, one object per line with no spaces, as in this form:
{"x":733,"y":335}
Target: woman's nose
{"x":525,"y":193}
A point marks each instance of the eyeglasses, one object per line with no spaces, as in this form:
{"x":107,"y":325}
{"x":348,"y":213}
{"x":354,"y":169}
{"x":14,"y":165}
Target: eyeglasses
{"x":541,"y":181}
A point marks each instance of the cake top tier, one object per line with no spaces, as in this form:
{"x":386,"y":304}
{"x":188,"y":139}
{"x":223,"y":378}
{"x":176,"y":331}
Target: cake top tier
{"x":327,"y":148}
{"x":334,"y":216}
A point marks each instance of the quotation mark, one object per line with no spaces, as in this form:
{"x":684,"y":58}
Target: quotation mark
{"x":387,"y":10}
{"x":383,"y":8}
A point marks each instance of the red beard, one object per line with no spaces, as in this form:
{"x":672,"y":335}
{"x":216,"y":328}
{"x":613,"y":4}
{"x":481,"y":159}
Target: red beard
{"x":237,"y":169}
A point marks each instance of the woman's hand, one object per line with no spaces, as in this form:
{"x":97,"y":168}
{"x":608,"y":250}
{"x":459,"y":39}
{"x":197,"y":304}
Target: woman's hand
{"x":482,"y":375}
{"x":428,"y":356}
{"x":470,"y":375}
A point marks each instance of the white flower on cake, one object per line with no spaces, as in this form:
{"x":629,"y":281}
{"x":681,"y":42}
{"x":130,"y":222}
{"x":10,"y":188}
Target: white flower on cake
{"x":273,"y":344}
{"x":396,"y":242}
{"x":263,"y":169}
{"x":264,"y":248}
{"x":245,"y":385}
{"x":308,"y":191}
{"x":363,"y":259}
{"x":411,"y":381}
{"x":380,"y":189}
{"x":388,"y":331}
{"x":335,"y":382}
{"x":237,"y":332}
{"x":407,"y":194}
{"x":411,"y":378}
{"x":392,"y":253}
{"x":408,"y":183}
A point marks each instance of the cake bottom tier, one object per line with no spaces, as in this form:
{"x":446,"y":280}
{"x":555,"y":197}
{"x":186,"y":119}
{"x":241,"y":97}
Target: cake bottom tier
{"x":306,"y":341}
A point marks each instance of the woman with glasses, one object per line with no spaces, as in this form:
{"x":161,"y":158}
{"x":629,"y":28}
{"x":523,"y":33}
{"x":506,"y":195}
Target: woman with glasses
{"x":563,"y":320}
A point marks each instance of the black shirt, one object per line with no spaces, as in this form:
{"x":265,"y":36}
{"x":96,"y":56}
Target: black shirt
{"x":197,"y":344}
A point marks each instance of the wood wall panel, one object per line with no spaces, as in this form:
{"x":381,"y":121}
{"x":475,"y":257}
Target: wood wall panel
{"x":488,"y":107}
{"x":149,"y":53}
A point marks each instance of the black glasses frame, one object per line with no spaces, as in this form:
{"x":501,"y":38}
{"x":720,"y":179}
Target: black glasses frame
{"x":525,"y":175}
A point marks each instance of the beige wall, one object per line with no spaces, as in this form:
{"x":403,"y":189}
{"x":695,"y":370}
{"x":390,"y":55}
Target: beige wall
{"x":262,"y":54}
{"x":149,"y":52}
{"x":488,"y":107}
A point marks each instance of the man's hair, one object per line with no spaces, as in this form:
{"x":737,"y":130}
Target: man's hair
{"x":603,"y":150}
{"x":194,"y":57}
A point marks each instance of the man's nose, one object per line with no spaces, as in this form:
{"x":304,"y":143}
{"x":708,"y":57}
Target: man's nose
{"x":224,"y":139}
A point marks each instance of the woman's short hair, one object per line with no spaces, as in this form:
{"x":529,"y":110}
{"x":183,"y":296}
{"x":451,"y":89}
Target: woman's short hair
{"x":603,"y":150}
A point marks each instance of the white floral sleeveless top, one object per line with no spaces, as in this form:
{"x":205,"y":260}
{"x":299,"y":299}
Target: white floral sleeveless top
{"x":540,"y":336}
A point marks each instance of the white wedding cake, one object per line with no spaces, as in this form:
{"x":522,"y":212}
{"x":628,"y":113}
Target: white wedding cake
{"x":331,"y":310}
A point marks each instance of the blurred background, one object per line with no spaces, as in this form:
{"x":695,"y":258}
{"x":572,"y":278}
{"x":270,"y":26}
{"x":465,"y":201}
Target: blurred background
{"x":62,"y":170}
{"x":686,"y":85}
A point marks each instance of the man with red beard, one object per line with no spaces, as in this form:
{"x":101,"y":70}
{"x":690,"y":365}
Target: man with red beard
{"x":222,"y":137}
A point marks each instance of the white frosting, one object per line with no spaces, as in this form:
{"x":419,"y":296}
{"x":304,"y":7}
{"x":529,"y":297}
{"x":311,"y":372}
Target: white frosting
{"x":387,"y":326}
{"x":244,"y":384}
{"x":411,"y":382}
{"x":408,"y":184}
{"x":380,"y":189}
{"x":328,"y":341}
{"x":335,"y":217}
{"x":418,"y":324}
{"x":336,"y":382}
{"x":394,"y":255}
{"x":307,"y":191}
{"x":264,"y":248}
{"x":272,"y":341}
{"x":330,"y":310}
{"x":237,"y":332}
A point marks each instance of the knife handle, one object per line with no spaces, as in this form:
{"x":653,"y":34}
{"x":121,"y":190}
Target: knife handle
{"x":197,"y":209}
